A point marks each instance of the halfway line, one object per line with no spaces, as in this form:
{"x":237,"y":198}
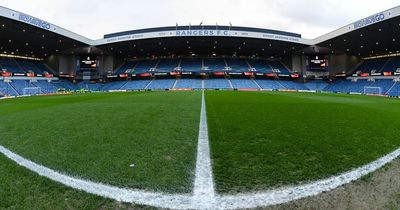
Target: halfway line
{"x":203,"y":191}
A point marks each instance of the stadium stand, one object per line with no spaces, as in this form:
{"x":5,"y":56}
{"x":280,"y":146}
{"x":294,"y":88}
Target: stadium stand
{"x":191,"y":65}
{"x":363,"y":85}
{"x":189,"y":84}
{"x":393,"y":65}
{"x":214,"y":64}
{"x":394,"y":90}
{"x":217,"y":84}
{"x":317,"y":85}
{"x":161,"y":84}
{"x":279,"y":68}
{"x":370,"y":66}
{"x":269,"y":84}
{"x":19,"y":85}
{"x":167,"y":65}
{"x":65,"y":85}
{"x":244,"y":84}
{"x":126,"y":68}
{"x":289,"y":85}
{"x":117,"y":85}
{"x":261,"y":66}
{"x":45,"y":86}
{"x":145,"y":66}
{"x":239,"y":65}
{"x":22,"y":66}
{"x":206,"y":64}
{"x":7,"y":89}
{"x":10,"y":65}
{"x":87,"y":85}
{"x":135,"y":85}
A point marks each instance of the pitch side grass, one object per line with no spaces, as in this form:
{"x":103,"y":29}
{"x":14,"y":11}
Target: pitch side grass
{"x":135,"y":140}
{"x":266,"y":140}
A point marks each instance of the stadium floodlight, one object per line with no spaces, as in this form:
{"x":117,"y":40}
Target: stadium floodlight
{"x":373,"y":90}
{"x":31,"y":91}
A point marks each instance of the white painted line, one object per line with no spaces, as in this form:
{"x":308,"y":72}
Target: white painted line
{"x":203,"y":191}
{"x":124,"y":195}
{"x":288,"y":194}
{"x":240,"y":201}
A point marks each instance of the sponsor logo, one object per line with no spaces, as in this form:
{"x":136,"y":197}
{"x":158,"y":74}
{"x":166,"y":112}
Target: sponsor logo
{"x":34,"y":21}
{"x":174,"y":73}
{"x":369,"y":20}
{"x":6,"y":74}
{"x":160,"y":74}
{"x":295,"y":76}
{"x":219,"y":73}
{"x":387,"y":73}
{"x":270,"y":75}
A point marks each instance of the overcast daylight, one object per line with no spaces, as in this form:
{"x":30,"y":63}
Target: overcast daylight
{"x":93,"y":18}
{"x":199,"y":105}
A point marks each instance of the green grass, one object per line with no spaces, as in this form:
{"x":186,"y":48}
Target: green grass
{"x":98,"y":136}
{"x":259,"y":140}
{"x":265,"y":140}
{"x":21,"y":189}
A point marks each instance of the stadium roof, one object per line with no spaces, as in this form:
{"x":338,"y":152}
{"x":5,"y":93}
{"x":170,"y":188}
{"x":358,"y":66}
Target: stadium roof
{"x":23,"y":34}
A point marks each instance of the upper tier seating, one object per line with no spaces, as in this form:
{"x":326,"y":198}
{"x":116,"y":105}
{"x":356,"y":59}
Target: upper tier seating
{"x":127,"y":67}
{"x":278,"y":67}
{"x":214,"y":64}
{"x":371,"y":66}
{"x":238,"y":65}
{"x":191,"y":64}
{"x":10,"y":65}
{"x":15,"y":65}
{"x":167,"y":65}
{"x":261,"y":66}
{"x":145,"y":66}
{"x":393,"y":65}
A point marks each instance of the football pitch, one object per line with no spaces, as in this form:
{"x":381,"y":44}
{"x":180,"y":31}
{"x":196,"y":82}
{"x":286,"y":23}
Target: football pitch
{"x":148,"y":141}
